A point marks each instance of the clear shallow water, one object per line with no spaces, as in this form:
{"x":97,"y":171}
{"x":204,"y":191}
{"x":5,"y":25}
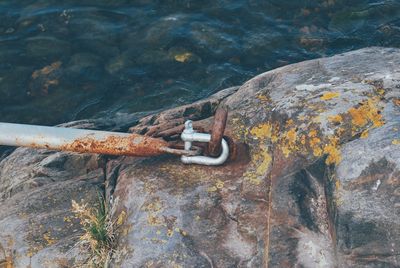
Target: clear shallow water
{"x":61,"y":62}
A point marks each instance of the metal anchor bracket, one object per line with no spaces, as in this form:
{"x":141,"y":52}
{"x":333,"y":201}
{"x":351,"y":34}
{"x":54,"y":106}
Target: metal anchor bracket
{"x":189,"y":135}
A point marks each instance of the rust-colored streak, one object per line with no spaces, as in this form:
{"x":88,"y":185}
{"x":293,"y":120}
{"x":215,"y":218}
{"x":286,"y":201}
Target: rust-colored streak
{"x":132,"y":145}
{"x":217,"y":133}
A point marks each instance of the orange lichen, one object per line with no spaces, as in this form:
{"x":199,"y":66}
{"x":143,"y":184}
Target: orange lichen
{"x":335,"y":118}
{"x":303,"y":139}
{"x":366,"y":113}
{"x":291,"y":135}
{"x":314,"y":144}
{"x":340,"y":131}
{"x":330,"y":95}
{"x":396,"y":102}
{"x":290,"y":122}
{"x":317,"y":151}
{"x":333,"y":152}
{"x":312,"y":133}
{"x":262,"y":131}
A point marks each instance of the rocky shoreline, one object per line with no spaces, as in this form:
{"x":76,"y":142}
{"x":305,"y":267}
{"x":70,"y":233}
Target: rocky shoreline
{"x":315,"y":183}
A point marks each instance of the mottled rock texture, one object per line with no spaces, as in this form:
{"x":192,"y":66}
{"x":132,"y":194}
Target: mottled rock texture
{"x":316,"y":180}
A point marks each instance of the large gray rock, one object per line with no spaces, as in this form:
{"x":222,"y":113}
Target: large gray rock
{"x":315,"y":182}
{"x":307,"y":133}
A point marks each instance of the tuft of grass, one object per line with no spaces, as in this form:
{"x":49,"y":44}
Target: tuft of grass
{"x":100,"y":231}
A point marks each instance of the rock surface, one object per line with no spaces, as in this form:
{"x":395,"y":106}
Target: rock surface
{"x":315,"y":182}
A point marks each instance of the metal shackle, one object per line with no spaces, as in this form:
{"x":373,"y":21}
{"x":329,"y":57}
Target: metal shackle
{"x":189,"y":135}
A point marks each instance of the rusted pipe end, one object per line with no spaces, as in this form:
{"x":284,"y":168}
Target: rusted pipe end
{"x":217,"y":132}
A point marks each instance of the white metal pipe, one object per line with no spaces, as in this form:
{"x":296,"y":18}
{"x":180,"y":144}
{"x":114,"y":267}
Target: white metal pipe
{"x":46,"y":137}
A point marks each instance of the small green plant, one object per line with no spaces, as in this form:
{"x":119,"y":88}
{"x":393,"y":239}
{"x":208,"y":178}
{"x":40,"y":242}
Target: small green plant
{"x":100,"y":231}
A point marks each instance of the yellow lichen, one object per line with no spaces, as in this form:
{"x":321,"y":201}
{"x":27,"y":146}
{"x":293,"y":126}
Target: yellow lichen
{"x":49,"y":240}
{"x":212,"y":189}
{"x":252,"y":178}
{"x":263,"y":98}
{"x":261,"y":162}
{"x":264,"y":159}
{"x":155,"y":206}
{"x":364,"y":134}
{"x":301,"y":117}
{"x":330,"y":95}
{"x":396,"y":142}
{"x":337,"y":184}
{"x":316,"y":119}
{"x":121,"y":218}
{"x":219,"y":184}
{"x":170,"y":232}
{"x":289,"y":142}
{"x":153,"y":220}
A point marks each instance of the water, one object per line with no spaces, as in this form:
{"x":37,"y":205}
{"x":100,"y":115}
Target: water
{"x":62,"y":62}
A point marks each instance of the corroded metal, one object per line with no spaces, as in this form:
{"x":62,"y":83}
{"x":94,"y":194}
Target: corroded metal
{"x":131,"y":145}
{"x":84,"y":141}
{"x":217,"y":132}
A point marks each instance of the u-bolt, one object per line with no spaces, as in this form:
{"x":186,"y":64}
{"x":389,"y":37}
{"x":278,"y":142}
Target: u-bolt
{"x":189,"y":135}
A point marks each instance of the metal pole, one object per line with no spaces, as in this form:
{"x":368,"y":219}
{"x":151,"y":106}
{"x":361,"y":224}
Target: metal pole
{"x":81,"y":140}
